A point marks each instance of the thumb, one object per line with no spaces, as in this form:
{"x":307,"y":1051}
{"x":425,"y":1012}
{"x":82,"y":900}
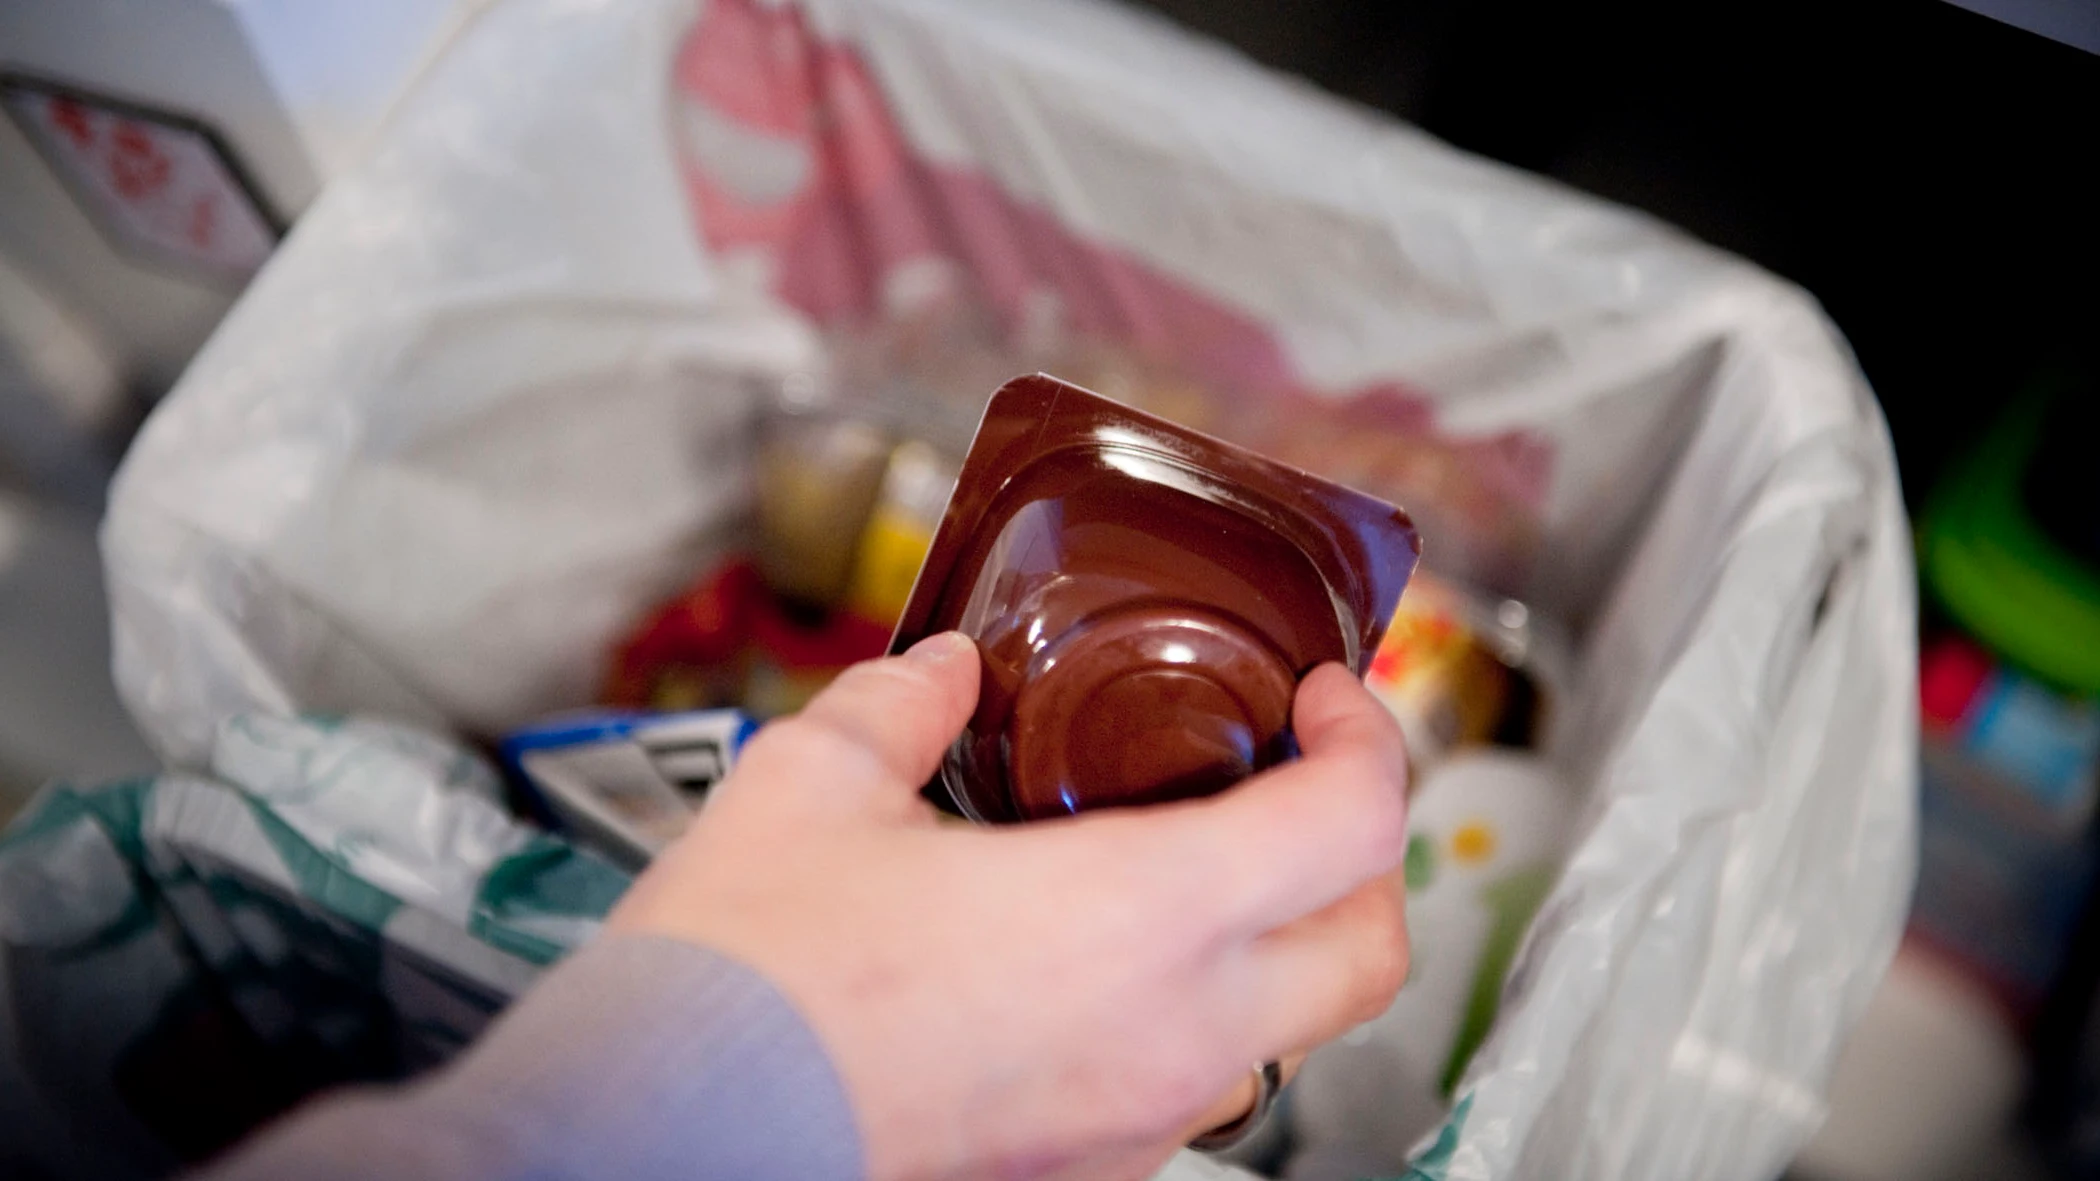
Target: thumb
{"x":876,"y":734}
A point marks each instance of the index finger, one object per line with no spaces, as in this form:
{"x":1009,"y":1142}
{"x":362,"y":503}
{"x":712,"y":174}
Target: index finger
{"x":1297,"y":838}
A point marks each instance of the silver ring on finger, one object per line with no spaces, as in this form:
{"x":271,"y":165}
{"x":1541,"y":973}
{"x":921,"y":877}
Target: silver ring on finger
{"x":1268,"y":1080}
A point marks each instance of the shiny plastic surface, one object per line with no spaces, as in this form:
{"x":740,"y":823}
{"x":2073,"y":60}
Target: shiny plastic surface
{"x":1144,"y":600}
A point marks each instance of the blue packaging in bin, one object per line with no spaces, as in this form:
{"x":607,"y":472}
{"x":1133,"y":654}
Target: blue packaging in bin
{"x":626,"y":781}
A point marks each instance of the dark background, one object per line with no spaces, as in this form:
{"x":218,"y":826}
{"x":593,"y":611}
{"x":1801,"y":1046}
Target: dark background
{"x":1927,"y":173}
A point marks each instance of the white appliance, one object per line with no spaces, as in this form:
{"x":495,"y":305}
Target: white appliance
{"x":151,"y":154}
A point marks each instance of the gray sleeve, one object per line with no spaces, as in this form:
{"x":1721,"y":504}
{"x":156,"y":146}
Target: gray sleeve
{"x":636,"y":1058}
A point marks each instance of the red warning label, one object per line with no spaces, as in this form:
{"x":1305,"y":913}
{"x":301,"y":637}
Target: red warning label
{"x":158,"y":185}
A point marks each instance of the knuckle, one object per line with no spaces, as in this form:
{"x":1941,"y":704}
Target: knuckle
{"x":768,"y":745}
{"x":1162,"y":910}
{"x":784,"y":734}
{"x":907,"y":678}
{"x":1381,"y":811}
{"x":869,"y":679}
{"x":1371,"y":1006}
{"x":900,"y":693}
{"x":809,"y":740}
{"x":1385,"y":967}
{"x":1122,"y":851}
{"x":1371,"y":991}
{"x":1374,"y":733}
{"x":873,"y":684}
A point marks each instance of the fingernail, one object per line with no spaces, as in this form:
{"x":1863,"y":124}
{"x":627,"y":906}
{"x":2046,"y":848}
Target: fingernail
{"x":939,"y":649}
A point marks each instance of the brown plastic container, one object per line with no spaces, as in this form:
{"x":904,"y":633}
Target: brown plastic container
{"x":1144,"y":599}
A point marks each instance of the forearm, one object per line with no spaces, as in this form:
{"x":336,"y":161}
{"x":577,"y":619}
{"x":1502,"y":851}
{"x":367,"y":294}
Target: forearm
{"x":637,"y":1058}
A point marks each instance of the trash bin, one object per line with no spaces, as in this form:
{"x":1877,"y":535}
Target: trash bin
{"x":494,"y":397}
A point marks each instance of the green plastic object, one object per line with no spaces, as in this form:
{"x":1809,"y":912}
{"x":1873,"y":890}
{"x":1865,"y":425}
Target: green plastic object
{"x":1512,"y":901}
{"x":1998,"y":574}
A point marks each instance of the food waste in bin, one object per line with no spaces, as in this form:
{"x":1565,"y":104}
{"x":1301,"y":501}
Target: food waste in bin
{"x":845,"y":508}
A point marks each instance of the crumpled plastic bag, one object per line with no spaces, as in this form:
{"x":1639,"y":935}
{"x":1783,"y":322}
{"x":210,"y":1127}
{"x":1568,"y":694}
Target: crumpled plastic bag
{"x":183,"y":957}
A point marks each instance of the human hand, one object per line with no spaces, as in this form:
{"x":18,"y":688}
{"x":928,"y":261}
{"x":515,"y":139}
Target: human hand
{"x":1075,"y":997}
